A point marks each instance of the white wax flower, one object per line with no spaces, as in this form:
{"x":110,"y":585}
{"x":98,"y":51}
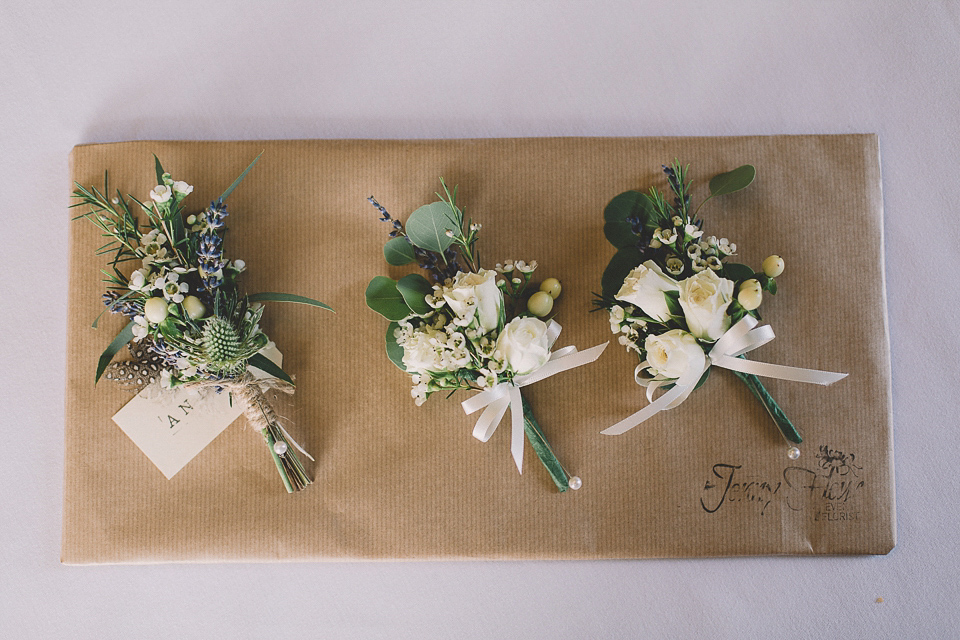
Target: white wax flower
{"x":693,"y":231}
{"x":524,"y":345}
{"x":704,"y":298}
{"x":670,"y":354}
{"x":475,"y":296}
{"x":161,"y":193}
{"x":421,"y":353}
{"x":182,"y":188}
{"x":140,"y":328}
{"x":138,"y":280}
{"x":644,"y":287}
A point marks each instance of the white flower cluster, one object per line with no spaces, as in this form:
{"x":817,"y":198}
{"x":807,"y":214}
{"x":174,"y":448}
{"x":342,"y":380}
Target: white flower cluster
{"x":465,"y":340}
{"x":703,"y":299}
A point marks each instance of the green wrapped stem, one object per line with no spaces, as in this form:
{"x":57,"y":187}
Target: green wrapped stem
{"x":542,"y":448}
{"x":291,"y":470}
{"x":776,"y":413}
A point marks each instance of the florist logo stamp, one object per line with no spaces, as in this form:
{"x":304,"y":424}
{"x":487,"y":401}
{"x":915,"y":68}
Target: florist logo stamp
{"x":829,"y":486}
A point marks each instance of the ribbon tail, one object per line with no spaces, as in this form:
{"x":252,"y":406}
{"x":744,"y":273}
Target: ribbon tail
{"x":779,"y":371}
{"x":652,"y":409}
{"x":516,"y":437}
{"x":286,"y":434}
{"x":490,"y":418}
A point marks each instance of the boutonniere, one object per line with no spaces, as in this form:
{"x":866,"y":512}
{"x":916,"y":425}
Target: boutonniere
{"x":190,"y":325}
{"x":470,"y":328}
{"x":677,"y":300}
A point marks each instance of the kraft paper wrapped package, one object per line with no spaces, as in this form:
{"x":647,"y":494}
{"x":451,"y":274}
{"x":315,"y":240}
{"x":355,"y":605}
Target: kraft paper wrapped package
{"x":395,"y":481}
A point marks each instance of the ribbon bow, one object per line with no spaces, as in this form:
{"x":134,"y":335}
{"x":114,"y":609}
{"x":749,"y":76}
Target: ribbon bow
{"x":496,"y":400}
{"x":742,"y":337}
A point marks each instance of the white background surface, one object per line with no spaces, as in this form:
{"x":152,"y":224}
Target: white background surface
{"x":98,"y":72}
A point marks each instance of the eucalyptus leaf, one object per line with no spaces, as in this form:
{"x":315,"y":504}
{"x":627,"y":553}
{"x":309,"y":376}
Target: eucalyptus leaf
{"x":125,"y":336}
{"x":739,"y":178}
{"x":398,"y":252}
{"x":394,"y":350}
{"x":414,"y":288}
{"x":427,"y":227}
{"x":622,"y":263}
{"x":384,"y":298}
{"x":630,"y":204}
{"x":737,"y":272}
{"x":268,"y":366}
{"x":270,"y":296}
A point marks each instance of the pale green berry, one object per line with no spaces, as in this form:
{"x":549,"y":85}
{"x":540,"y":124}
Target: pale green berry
{"x":551,"y":286}
{"x":540,"y":304}
{"x":155,"y":310}
{"x":752,"y":283}
{"x":750,"y":298}
{"x":773,"y":266}
{"x":194,"y":308}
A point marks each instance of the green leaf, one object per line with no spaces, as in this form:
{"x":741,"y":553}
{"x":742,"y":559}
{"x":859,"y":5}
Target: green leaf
{"x":739,"y":178}
{"x":703,"y":378}
{"x":427,"y":227}
{"x":398,"y":252}
{"x":286,"y":297}
{"x":384,"y":298}
{"x":240,"y":178}
{"x":125,"y":336}
{"x":622,"y":263}
{"x":629,"y":204}
{"x":414,"y":288}
{"x":673,"y":303}
{"x":268,"y":366}
{"x":737,"y":272}
{"x":394,"y":350}
{"x":159,"y":168}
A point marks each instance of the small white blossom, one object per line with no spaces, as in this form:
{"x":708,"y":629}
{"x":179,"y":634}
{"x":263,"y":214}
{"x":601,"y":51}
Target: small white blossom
{"x":692,"y":231}
{"x":523,"y":267}
{"x":714,"y":263}
{"x":138,"y":280}
{"x":239,"y":265}
{"x":693,"y":251}
{"x":726,"y":247}
{"x":674,"y":266}
{"x":182,"y":188}
{"x":140,"y":328}
{"x":677,"y":221}
{"x":699,"y":265}
{"x":161,"y":193}
{"x":666,"y":236}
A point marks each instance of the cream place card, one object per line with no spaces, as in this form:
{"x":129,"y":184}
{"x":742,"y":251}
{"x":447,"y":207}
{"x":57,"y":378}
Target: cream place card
{"x":172,"y":426}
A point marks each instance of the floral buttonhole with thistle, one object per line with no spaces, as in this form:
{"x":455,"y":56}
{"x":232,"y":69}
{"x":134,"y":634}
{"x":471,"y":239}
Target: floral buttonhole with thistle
{"x":189,"y":324}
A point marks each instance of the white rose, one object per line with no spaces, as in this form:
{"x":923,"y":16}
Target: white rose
{"x":182,"y":188}
{"x":524,"y":345}
{"x":672,"y":353}
{"x":704,"y":298}
{"x":476,"y":295}
{"x":644,"y":287}
{"x":161,"y":193}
